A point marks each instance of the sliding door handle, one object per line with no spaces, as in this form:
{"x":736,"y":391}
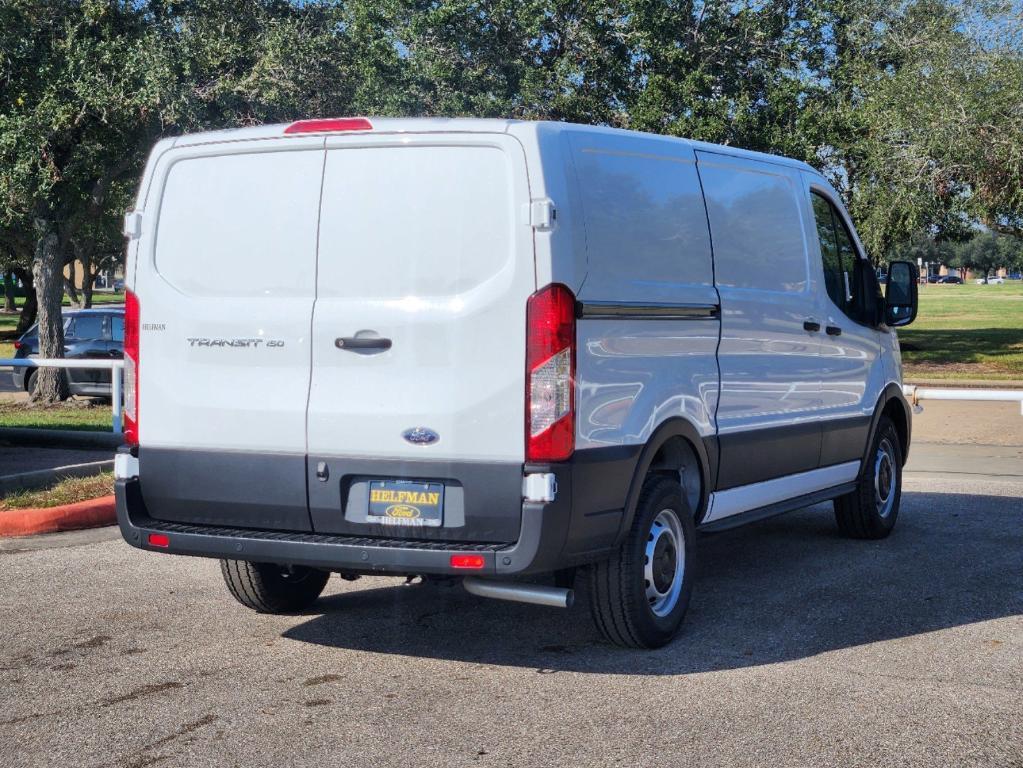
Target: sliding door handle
{"x":833,"y":330}
{"x":362,"y":344}
{"x":811,"y":325}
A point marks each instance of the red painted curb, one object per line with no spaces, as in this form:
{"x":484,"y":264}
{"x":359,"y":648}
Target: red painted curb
{"x":69,"y":517}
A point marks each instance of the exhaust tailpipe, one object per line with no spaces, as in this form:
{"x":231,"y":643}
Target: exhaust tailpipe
{"x":537,"y":594}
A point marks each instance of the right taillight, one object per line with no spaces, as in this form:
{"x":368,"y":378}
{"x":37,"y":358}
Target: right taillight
{"x":131,"y":368}
{"x":550,"y":374}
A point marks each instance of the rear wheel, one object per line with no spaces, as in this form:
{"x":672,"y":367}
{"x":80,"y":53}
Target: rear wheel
{"x":871,"y":510}
{"x":639,"y":596}
{"x":30,"y":382}
{"x":269,"y":588}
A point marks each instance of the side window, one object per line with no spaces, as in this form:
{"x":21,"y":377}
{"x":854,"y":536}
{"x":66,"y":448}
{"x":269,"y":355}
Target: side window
{"x":756,"y":226}
{"x":88,"y":327}
{"x":848,"y":278}
{"x":117,"y":328}
{"x":826,"y":233}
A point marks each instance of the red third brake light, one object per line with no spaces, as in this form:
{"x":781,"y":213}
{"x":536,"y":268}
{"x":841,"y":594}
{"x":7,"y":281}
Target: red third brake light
{"x":469,"y":562}
{"x":131,"y":368}
{"x":329,"y":125}
{"x":550,"y":374}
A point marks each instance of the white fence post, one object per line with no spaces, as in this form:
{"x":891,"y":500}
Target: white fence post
{"x":116,"y":376}
{"x":915,"y":393}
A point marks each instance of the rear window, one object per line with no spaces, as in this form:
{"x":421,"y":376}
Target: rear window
{"x":241,"y":225}
{"x":419,"y":221}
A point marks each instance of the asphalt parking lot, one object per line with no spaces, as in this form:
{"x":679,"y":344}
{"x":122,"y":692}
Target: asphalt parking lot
{"x":800,"y":648}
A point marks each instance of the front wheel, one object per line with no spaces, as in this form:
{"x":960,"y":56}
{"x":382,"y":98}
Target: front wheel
{"x":871,"y":510}
{"x":268,"y":588}
{"x":639,"y":596}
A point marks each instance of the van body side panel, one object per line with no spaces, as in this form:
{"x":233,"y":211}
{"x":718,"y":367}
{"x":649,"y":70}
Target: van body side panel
{"x":770,"y":386}
{"x":226,"y":280}
{"x":648,"y":318}
{"x":425,"y":245}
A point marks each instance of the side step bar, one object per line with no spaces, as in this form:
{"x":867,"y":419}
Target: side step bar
{"x":537,"y":594}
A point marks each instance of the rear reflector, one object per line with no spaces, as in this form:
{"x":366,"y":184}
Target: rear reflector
{"x":330,"y":124}
{"x":158,"y":540}
{"x":470,"y":562}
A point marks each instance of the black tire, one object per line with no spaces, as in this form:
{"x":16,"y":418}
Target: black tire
{"x":268,"y":588}
{"x":30,"y":382}
{"x":871,"y":510}
{"x":623,"y":607}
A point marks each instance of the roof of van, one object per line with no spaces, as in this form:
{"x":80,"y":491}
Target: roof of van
{"x":474,"y":125}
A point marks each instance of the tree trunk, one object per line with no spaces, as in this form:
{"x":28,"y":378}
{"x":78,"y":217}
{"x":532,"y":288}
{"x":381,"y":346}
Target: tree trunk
{"x":69,"y":286}
{"x":30,"y":307}
{"x":47,"y":272}
{"x":88,"y":278}
{"x":9,"y":279}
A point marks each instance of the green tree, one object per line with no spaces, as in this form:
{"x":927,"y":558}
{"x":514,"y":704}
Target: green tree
{"x":80,"y":105}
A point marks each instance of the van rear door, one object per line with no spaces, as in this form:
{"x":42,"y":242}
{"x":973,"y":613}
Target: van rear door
{"x":226,"y":280}
{"x":418,"y":343}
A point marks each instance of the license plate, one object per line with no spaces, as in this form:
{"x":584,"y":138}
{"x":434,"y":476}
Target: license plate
{"x":406,"y":502}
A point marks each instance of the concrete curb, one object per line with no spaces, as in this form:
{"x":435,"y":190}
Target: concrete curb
{"x":40,"y":478}
{"x":69,"y":517}
{"x":60,"y":438}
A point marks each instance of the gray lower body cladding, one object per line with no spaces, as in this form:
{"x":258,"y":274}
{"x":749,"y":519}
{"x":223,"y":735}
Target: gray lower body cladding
{"x":253,"y":507}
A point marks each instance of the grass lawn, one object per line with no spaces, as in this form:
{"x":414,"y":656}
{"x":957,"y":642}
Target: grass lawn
{"x":67,"y":491}
{"x":8,"y":322}
{"x":966,"y":332}
{"x":73,"y":414}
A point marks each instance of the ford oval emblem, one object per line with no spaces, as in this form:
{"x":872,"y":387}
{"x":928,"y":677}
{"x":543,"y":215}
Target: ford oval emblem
{"x":420,"y":436}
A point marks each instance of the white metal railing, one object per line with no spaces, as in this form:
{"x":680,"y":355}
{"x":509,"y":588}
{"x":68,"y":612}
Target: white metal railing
{"x":915,"y":394}
{"x":116,"y":368}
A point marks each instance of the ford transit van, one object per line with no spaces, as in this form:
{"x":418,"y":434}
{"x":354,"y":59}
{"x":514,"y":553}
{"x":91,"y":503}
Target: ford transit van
{"x":508,"y":352}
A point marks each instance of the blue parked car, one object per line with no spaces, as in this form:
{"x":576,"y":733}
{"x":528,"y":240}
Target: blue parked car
{"x":88,"y":333}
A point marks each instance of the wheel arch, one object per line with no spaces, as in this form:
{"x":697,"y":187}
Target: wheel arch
{"x":893,"y":404}
{"x":675,"y":448}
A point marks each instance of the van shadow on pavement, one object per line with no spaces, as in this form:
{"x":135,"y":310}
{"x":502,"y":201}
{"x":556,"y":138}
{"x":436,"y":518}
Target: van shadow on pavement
{"x":783,"y":589}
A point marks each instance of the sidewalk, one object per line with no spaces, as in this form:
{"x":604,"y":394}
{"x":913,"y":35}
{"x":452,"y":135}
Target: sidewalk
{"x":954,"y":422}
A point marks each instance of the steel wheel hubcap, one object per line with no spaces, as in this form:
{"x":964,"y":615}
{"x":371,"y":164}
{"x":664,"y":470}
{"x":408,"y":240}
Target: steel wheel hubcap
{"x":664,"y":562}
{"x":884,"y":478}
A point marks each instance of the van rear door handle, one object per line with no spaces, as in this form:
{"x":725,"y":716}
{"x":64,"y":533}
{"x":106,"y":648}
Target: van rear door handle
{"x":362,"y":344}
{"x":811,"y":325}
{"x":833,"y":330}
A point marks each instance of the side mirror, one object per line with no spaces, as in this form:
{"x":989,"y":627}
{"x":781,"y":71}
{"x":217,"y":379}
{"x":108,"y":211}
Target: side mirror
{"x":900,"y":301}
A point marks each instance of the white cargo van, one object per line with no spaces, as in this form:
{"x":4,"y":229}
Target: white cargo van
{"x":494,"y":350}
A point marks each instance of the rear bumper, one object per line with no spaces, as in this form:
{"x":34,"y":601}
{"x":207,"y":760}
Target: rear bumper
{"x":539,"y":548}
{"x":573,"y":529}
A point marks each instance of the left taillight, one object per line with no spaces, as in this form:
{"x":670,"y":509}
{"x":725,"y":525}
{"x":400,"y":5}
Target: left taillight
{"x":131,"y":368}
{"x":17,"y":345}
{"x":550,"y":374}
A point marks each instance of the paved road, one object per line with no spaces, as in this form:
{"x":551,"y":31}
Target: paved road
{"x":18,"y":459}
{"x":801,"y":648}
